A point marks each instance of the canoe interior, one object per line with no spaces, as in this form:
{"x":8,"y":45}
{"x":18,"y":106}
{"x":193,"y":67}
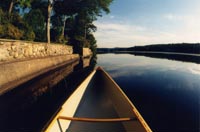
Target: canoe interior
{"x":103,"y":99}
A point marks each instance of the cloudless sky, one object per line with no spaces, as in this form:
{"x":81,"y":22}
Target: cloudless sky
{"x":143,"y":22}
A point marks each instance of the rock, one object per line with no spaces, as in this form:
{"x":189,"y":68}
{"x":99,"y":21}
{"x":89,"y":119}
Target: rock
{"x":9,"y":48}
{"x":14,"y":48}
{"x":17,"y":43}
{"x":21,"y":56}
{"x":30,"y":51}
{"x":16,"y":55}
{"x":18,"y":49}
{"x":26,"y":53}
{"x":2,"y":59}
{"x":38,"y":54}
{"x":11,"y":53}
{"x":22,"y":50}
{"x":35,"y":50}
{"x":44,"y":54}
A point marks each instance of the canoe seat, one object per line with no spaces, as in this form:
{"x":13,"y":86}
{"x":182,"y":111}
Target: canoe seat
{"x":83,"y":119}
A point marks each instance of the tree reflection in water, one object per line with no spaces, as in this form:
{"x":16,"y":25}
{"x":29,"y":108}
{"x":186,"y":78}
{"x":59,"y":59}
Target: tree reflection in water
{"x":30,"y":106}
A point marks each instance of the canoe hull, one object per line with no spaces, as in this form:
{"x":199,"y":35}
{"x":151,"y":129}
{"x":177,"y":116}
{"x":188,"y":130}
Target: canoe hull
{"x":101,"y":98}
{"x":123,"y":106}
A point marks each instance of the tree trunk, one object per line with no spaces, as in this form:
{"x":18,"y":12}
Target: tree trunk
{"x":11,"y":7}
{"x":63,"y":28}
{"x":48,"y":21}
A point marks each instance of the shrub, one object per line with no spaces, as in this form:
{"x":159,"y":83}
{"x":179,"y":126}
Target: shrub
{"x":36,"y":20}
{"x":12,"y":32}
{"x":12,"y":26}
{"x":29,"y":35}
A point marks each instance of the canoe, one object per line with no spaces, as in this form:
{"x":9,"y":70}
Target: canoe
{"x":98,"y":105}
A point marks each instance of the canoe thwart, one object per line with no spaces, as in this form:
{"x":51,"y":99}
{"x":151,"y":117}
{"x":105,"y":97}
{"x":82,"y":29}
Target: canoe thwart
{"x":83,"y":119}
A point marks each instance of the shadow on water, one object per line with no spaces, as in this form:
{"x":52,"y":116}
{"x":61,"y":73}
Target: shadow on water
{"x":31,"y":105}
{"x":166,"y":55}
{"x":177,"y":57}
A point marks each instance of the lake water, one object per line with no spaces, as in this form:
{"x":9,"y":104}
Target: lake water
{"x":166,"y":92}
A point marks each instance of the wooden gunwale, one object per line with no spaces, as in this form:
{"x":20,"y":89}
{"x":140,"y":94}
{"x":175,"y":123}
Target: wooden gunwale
{"x":136,"y":112}
{"x":70,"y":118}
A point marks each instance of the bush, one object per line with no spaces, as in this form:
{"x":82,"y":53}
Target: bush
{"x":1,"y":15}
{"x":10,"y":32}
{"x":1,"y":31}
{"x":12,"y":26}
{"x":61,"y":39}
{"x":36,"y":20}
{"x":29,"y":35}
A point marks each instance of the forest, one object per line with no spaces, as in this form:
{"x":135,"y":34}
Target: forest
{"x":180,"y":48}
{"x":192,"y":48}
{"x":61,"y":21}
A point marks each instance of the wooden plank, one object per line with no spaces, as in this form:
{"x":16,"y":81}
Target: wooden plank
{"x":97,"y":119}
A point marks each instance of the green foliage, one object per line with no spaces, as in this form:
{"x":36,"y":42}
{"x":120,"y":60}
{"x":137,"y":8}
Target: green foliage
{"x":179,"y":47}
{"x":93,"y":47}
{"x":93,"y":43}
{"x":81,"y":15}
{"x":10,"y":31}
{"x":61,"y":39}
{"x":29,"y":34}
{"x":4,"y":5}
{"x":3,"y":17}
{"x":80,"y":23}
{"x":24,"y":3}
{"x":18,"y":5}
{"x":36,"y":22}
{"x":56,"y":31}
{"x":14,"y":27}
{"x":71,"y":20}
{"x":40,"y":5}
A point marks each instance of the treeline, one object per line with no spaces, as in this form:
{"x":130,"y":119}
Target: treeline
{"x":177,"y":57}
{"x":61,"y":21}
{"x":178,"y":48}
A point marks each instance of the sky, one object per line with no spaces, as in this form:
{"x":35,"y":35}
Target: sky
{"x":144,"y":22}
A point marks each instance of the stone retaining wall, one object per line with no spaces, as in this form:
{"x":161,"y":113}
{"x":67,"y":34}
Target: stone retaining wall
{"x":87,"y":52}
{"x":12,"y":50}
{"x":15,"y":73}
{"x":21,"y":61}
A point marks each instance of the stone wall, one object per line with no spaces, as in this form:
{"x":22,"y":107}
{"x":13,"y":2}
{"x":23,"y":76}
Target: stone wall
{"x":12,"y":50}
{"x":87,"y":52}
{"x":21,"y":61}
{"x":15,"y":73}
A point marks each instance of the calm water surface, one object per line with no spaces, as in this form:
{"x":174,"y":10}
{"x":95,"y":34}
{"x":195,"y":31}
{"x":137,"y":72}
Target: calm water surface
{"x":166,"y":92}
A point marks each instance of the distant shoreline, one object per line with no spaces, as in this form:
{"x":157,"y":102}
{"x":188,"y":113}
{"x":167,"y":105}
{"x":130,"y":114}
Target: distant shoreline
{"x":183,"y":57}
{"x":153,"y":52}
{"x":183,"y":48}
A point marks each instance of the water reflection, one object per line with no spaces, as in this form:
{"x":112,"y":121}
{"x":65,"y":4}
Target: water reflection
{"x":167,"y":93}
{"x":30,"y":106}
{"x":184,"y":57}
